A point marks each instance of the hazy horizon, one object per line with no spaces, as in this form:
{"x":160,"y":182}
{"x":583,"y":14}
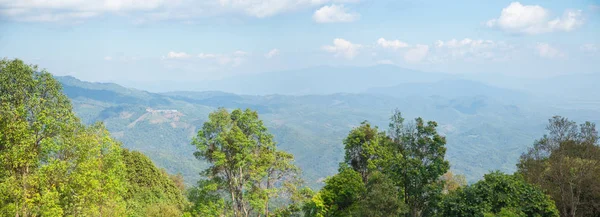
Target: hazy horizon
{"x":174,"y":46}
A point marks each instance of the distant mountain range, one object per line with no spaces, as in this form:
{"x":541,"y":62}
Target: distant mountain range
{"x":487,"y":127}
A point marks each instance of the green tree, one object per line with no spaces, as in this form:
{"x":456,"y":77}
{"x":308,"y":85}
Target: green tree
{"x":366,"y":150}
{"x":566,"y":164}
{"x":381,"y":198}
{"x":150,"y":190}
{"x":498,"y":195}
{"x":339,"y":196}
{"x":207,"y":199}
{"x":51,"y":165}
{"x":90,"y":173}
{"x":244,"y":160}
{"x":34,"y":115}
{"x":422,"y":150}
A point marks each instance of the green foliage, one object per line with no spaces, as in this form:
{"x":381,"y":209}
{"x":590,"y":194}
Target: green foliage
{"x":245,"y":162}
{"x":206,"y":200}
{"x":381,"y":199}
{"x":507,"y":212}
{"x":498,"y":192}
{"x":366,"y":149}
{"x":566,"y":164}
{"x":51,"y":164}
{"x":35,"y":117}
{"x":423,"y":151}
{"x":339,"y":196}
{"x":150,"y":192}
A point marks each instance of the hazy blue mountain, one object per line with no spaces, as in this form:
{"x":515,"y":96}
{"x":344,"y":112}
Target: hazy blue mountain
{"x":484,"y":132}
{"x":318,"y":80}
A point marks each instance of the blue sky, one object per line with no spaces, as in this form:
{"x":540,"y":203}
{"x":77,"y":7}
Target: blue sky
{"x":141,"y":42}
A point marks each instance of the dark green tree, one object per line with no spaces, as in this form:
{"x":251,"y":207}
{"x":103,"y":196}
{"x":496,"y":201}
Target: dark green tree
{"x":381,"y":198}
{"x":498,"y":195}
{"x":422,"y":151}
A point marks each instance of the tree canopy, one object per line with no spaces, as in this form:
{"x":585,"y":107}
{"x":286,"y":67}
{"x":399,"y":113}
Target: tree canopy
{"x":51,"y":164}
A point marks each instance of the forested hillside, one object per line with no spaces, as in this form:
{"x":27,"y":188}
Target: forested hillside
{"x":53,"y":164}
{"x":486,"y":129}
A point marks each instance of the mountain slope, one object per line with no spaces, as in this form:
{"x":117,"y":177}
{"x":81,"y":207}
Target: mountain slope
{"x":483,"y":133}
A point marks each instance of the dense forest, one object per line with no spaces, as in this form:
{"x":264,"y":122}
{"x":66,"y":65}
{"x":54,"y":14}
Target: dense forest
{"x":53,"y":164}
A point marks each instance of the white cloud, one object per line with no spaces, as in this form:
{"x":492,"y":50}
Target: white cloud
{"x":471,"y":49}
{"x":240,"y":53}
{"x":108,"y":58}
{"x":343,"y":48}
{"x":534,"y":19}
{"x":393,"y":44}
{"x":272,"y":53}
{"x":417,"y":53}
{"x":147,"y":10}
{"x":334,"y":14}
{"x":267,"y":8}
{"x":233,"y":59}
{"x":177,"y":55}
{"x":547,"y":51}
{"x":589,"y":48}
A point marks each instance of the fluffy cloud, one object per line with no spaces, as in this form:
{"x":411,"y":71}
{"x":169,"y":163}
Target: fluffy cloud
{"x":333,"y":14}
{"x":343,"y":48}
{"x":534,"y":19}
{"x":272,"y":53}
{"x":546,"y":51}
{"x":393,"y":44}
{"x":177,"y":55}
{"x":207,"y":56}
{"x":471,"y":49}
{"x":147,"y":10}
{"x":108,"y":58}
{"x":417,"y":53}
{"x":240,"y":53}
{"x":234,"y":59}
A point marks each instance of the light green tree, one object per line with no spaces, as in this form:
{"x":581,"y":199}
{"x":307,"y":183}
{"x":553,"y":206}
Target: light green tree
{"x":51,"y":165}
{"x":150,"y":191}
{"x":35,"y":120}
{"x":244,"y":161}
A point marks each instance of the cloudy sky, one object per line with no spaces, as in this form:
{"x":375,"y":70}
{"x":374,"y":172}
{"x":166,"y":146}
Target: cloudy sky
{"x":145,"y":41}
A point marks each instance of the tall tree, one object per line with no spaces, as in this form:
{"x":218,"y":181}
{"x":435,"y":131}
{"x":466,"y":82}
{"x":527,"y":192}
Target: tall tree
{"x":566,"y":164}
{"x":244,"y":160}
{"x":51,"y":165}
{"x":34,"y":118}
{"x":423,"y":151}
{"x":366,"y":150}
